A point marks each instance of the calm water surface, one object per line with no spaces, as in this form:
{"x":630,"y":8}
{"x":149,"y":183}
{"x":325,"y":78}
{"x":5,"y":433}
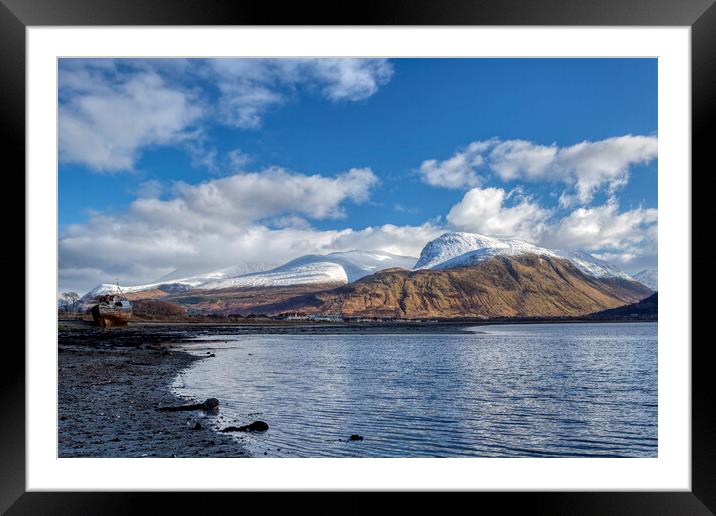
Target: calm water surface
{"x":548,"y":390}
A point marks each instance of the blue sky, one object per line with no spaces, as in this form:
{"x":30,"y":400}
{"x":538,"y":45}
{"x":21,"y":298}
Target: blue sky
{"x":561,"y":152}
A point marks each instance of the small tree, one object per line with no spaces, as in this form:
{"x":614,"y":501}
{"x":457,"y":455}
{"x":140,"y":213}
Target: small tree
{"x":70,"y":299}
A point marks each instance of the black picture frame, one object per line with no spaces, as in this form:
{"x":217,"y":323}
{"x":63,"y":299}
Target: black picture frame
{"x":700,"y":15}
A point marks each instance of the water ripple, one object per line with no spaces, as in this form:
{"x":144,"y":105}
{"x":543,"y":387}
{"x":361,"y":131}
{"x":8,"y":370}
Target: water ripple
{"x":587,"y":390}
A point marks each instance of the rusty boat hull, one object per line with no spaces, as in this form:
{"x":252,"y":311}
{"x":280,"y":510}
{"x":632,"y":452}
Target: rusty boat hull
{"x":107,"y":315}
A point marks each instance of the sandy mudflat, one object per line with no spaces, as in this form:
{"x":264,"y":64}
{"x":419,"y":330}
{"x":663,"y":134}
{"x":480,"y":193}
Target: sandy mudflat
{"x":108,"y":393}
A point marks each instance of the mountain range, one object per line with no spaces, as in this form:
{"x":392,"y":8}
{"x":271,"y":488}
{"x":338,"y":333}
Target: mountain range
{"x":456,"y":275}
{"x":331,"y":269}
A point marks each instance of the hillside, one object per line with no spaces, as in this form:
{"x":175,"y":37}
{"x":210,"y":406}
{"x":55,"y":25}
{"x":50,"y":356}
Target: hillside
{"x":457,"y":275}
{"x":527,"y":285}
{"x":312,"y":271}
{"x":244,"y":300}
{"x":646,"y":309}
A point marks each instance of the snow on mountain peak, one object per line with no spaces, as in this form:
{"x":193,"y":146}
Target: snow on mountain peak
{"x":334,"y":268}
{"x":300,"y":274}
{"x":451,"y":245}
{"x":453,"y":249}
{"x":593,"y":266}
{"x":458,"y":249}
{"x":358,"y":263}
{"x":338,"y":267}
{"x":649,"y":278}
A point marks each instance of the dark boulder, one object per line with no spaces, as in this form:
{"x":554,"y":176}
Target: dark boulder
{"x":209,"y":405}
{"x":256,"y":426}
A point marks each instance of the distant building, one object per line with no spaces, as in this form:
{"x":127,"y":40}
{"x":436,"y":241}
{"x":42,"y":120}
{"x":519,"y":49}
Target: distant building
{"x":327,"y":318}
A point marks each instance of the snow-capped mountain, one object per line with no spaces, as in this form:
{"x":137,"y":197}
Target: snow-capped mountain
{"x":448,"y":251}
{"x":593,"y":266}
{"x":335,"y":268}
{"x":359,"y":263}
{"x":648,"y":277}
{"x":167,"y":283}
{"x":452,"y":245}
{"x":305,"y":274}
{"x":461,"y":249}
{"x":191,"y":277}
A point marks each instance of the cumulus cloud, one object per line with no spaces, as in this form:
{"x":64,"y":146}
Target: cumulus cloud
{"x":486,"y":211}
{"x":253,"y":196}
{"x":137,"y":251}
{"x":251,"y":87}
{"x":626,"y":238}
{"x":586,"y":166}
{"x":263,"y":219}
{"x":402,"y":240}
{"x":348,"y":79}
{"x":106,"y":124}
{"x":257,"y":217}
{"x":112,"y":109}
{"x":458,"y":171}
{"x":149,"y":189}
{"x":620,"y":235}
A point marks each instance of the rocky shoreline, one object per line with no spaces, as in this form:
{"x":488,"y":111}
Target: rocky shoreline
{"x":110,"y":383}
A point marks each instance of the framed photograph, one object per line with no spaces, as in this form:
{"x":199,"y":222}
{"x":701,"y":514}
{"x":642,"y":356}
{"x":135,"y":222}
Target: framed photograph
{"x":420,"y":249}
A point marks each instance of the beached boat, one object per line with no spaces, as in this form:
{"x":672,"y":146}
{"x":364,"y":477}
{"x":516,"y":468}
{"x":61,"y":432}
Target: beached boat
{"x":112,"y":310}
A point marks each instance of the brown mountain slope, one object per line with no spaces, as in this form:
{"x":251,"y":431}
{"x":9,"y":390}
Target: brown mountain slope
{"x":244,"y":300}
{"x":523,"y":286}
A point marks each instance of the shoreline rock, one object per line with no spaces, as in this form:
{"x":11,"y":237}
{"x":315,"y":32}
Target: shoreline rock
{"x":209,"y":405}
{"x":256,"y":426}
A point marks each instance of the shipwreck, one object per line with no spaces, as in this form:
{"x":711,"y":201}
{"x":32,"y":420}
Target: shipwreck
{"x":112,"y":310}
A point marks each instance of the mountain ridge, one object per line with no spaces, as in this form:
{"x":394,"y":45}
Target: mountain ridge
{"x":454,"y":249}
{"x":457,"y":274}
{"x":527,"y":285}
{"x":648,"y":277}
{"x":336,"y":268}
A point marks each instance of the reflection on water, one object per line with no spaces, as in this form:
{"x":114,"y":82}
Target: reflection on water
{"x":552,"y":390}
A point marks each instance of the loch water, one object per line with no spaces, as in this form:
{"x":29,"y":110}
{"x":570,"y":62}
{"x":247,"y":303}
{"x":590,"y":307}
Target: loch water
{"x":537,"y":390}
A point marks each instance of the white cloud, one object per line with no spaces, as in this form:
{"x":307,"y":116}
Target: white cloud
{"x":109,"y":123}
{"x":603,"y":228}
{"x":349,"y":79}
{"x":586,"y":166}
{"x":112,"y":109}
{"x":137,"y":251}
{"x":592,"y":164}
{"x":263,"y":217}
{"x":458,"y":171}
{"x":218,"y":223}
{"x":149,"y":189}
{"x":403,"y":240}
{"x":485,"y":211}
{"x":520,"y":159}
{"x":238,"y":160}
{"x":625,"y":238}
{"x":253,"y":196}
{"x":251,"y":87}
